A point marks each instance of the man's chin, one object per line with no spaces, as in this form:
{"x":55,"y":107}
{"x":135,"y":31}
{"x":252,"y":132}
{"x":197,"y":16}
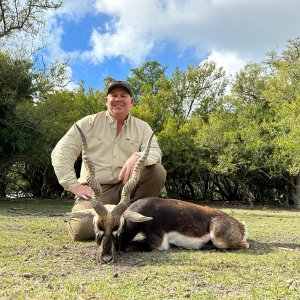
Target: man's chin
{"x":119,"y":113}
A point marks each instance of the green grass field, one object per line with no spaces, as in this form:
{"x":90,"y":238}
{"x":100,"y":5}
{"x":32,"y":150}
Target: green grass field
{"x":39,"y":261}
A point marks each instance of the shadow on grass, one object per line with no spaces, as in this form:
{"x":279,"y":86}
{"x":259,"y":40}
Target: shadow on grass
{"x":270,"y":215}
{"x":258,"y":247}
{"x":175,"y":255}
{"x":138,"y":258}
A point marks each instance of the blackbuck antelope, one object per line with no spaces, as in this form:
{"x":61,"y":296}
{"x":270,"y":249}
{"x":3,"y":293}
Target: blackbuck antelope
{"x":153,"y":222}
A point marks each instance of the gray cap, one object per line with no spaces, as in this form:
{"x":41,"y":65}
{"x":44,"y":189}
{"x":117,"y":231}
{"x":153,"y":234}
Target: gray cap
{"x":119,"y":84}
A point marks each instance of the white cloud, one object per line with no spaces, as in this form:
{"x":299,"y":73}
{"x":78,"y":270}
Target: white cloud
{"x":74,"y":9}
{"x":230,"y":61}
{"x":231,"y":32}
{"x":54,"y":38}
{"x":249,"y":27}
{"x":131,"y":45}
{"x":71,"y":11}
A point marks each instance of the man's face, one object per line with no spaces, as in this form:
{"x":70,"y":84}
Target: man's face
{"x":119,"y":103}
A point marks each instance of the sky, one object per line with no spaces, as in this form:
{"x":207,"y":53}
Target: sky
{"x":101,"y":38}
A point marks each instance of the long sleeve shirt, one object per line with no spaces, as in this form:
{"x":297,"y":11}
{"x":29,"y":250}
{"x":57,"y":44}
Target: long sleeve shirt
{"x":107,"y":150}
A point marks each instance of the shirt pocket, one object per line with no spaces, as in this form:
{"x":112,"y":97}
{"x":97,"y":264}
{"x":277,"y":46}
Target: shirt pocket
{"x":129,"y":146}
{"x":100,"y":148}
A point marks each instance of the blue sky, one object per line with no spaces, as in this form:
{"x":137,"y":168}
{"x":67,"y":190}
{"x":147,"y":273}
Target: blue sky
{"x":102,"y":38}
{"x":75,"y":40}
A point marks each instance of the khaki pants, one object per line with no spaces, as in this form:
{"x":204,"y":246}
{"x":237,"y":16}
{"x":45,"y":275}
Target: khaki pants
{"x":150,"y":184}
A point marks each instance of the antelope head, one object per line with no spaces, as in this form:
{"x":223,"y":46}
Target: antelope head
{"x":109,"y":219}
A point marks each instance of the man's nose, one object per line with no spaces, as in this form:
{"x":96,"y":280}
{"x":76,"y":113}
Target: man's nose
{"x":118,"y":98}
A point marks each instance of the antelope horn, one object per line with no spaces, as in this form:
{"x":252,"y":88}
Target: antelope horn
{"x":132,"y":182}
{"x":96,"y":187}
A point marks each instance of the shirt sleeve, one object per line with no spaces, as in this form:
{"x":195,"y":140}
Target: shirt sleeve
{"x":155,"y":152}
{"x":65,"y":154}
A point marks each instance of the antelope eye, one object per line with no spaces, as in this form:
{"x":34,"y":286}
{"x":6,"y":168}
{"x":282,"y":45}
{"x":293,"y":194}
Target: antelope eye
{"x":100,"y":227}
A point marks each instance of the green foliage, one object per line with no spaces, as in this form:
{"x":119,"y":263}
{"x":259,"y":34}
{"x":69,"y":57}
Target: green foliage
{"x":172,"y":106}
{"x":182,"y":160}
{"x":53,"y":115}
{"x":283,"y":92}
{"x":199,"y":89}
{"x":15,"y":89}
{"x":253,"y":138}
{"x":146,"y":79}
{"x":34,"y":116}
{"x":240,"y":146}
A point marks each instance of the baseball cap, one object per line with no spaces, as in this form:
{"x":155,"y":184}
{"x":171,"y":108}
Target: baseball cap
{"x":120,"y":84}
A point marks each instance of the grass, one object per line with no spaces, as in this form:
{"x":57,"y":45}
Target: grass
{"x":39,"y":261}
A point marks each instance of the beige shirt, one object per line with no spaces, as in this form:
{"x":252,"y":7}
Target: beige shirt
{"x":106,"y":150}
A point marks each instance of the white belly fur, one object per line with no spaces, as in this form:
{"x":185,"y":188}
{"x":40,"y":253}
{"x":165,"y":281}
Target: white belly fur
{"x":139,"y":237}
{"x":180,"y":240}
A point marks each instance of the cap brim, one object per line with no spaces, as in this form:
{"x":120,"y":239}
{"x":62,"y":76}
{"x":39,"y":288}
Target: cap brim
{"x":119,"y":85}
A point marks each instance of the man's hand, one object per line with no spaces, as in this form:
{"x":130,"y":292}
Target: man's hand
{"x":128,"y":167}
{"x":83,"y":191}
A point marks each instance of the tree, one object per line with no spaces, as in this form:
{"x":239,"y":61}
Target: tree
{"x":197,"y":90}
{"x":149,"y":87}
{"x":283,"y":91}
{"x":168,"y":105}
{"x":30,"y":124}
{"x":15,"y":88}
{"x":253,"y":137}
{"x":16,"y":16}
{"x":145,"y":80}
{"x":15,"y":136}
{"x":52,"y":115}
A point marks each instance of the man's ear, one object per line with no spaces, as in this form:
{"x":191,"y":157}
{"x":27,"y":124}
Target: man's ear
{"x":135,"y":217}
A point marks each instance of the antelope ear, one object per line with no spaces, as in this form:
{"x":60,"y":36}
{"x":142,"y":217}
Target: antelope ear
{"x":135,"y":217}
{"x":85,"y":213}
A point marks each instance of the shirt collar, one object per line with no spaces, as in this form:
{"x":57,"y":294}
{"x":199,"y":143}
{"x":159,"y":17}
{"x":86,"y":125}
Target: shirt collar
{"x":111,"y":119}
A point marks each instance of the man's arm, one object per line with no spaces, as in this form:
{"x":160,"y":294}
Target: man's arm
{"x":153,"y":157}
{"x":128,"y":167}
{"x":64,"y":156}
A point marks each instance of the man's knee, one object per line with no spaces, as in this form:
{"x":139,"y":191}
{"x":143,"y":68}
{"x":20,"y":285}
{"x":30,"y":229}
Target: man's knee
{"x":81,"y":229}
{"x":155,"y":173}
{"x":151,"y":182}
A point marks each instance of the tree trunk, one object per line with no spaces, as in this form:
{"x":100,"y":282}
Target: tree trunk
{"x":45,"y":187}
{"x":191,"y":188}
{"x":3,"y":186}
{"x":296,"y":195}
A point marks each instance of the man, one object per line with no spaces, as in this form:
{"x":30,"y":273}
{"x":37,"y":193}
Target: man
{"x":115,"y":141}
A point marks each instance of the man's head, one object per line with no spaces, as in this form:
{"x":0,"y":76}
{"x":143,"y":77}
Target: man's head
{"x":119,"y":99}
